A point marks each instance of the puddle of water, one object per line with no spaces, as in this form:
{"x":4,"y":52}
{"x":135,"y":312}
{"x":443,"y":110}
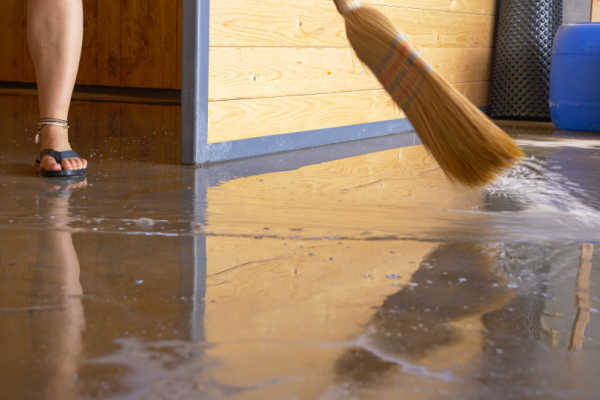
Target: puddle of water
{"x":367,"y":277}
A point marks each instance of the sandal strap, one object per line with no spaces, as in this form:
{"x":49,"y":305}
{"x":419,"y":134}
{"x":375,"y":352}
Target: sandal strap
{"x":57,"y":155}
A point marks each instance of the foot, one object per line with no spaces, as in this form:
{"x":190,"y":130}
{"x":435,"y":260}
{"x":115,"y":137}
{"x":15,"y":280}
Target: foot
{"x":55,"y":200}
{"x":57,"y":139}
{"x":69,"y":186}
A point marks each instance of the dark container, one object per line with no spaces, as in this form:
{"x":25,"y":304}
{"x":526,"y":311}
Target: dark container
{"x":520,"y":86}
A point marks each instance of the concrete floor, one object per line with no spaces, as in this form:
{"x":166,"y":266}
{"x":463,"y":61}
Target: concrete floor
{"x":351,"y":271}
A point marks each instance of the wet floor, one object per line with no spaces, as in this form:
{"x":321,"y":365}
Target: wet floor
{"x":349,"y":272}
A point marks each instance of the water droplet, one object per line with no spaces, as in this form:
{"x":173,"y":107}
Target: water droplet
{"x":144,"y":222}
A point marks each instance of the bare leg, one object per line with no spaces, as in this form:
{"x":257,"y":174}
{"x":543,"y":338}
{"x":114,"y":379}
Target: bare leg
{"x":57,"y":334}
{"x":55,"y":35}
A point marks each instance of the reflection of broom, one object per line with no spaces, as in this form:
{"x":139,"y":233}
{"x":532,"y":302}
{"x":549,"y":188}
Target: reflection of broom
{"x":468,"y":146}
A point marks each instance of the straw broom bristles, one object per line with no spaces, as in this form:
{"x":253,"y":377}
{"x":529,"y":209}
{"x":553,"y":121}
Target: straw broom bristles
{"x":469,"y":147}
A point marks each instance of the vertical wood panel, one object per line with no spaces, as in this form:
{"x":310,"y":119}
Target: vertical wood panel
{"x":88,"y":66}
{"x":179,"y":38}
{"x":109,"y":43}
{"x":12,"y":20}
{"x":130,"y":43}
{"x":100,"y":60}
{"x":149,"y":43}
{"x":27,"y":64}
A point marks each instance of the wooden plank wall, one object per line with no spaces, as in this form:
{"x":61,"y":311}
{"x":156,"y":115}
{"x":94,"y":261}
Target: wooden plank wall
{"x":130,"y":43}
{"x":286,"y":68}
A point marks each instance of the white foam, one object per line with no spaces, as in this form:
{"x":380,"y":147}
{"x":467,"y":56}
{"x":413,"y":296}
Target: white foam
{"x":545,"y":193}
{"x":561,"y":142}
{"x":410,"y":368}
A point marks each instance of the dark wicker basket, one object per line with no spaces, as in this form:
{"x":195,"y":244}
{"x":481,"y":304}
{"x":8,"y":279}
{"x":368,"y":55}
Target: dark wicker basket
{"x":525,"y":31}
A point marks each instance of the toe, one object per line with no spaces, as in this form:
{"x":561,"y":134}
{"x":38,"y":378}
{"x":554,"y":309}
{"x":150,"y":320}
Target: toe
{"x":49,"y":164}
{"x":67,"y":164}
{"x":71,"y":164}
{"x":74,"y":163}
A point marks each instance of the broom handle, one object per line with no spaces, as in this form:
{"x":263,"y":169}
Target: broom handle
{"x":345,"y":6}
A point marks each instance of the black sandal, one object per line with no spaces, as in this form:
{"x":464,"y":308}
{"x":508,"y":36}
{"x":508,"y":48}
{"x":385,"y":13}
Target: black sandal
{"x":57,"y":155}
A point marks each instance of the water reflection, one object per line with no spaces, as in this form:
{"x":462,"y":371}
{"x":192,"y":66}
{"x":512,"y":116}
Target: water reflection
{"x":302,"y":276}
{"x":476,"y":319}
{"x":433,"y":321}
{"x":582,"y":318}
{"x":57,"y":316}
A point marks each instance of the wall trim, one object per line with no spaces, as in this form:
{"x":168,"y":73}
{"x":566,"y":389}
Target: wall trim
{"x":246,"y":148}
{"x":273,"y":144}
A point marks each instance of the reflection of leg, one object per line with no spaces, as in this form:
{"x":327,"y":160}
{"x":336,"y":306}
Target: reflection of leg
{"x":55,"y":34}
{"x":57,"y":333}
{"x":582,"y":297}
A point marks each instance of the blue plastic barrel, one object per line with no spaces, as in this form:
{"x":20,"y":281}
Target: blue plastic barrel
{"x":575,"y":78}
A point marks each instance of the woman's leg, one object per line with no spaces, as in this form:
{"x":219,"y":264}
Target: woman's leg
{"x":55,"y":36}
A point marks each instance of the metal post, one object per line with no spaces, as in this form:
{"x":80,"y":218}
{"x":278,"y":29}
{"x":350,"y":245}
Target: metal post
{"x":194,"y":80}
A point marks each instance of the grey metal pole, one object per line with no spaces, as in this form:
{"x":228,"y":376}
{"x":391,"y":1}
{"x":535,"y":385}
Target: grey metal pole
{"x":194,"y":80}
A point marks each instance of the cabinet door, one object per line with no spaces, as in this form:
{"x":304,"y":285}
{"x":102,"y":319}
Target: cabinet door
{"x":101,"y":55}
{"x":149,"y":37}
{"x":129,"y":43}
{"x":13,"y":56}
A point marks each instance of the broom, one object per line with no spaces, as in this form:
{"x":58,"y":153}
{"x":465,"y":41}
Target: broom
{"x":469,"y":147}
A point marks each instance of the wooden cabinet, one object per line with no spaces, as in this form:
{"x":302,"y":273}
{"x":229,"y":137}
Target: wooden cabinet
{"x":14,"y":62}
{"x":128,"y":43}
